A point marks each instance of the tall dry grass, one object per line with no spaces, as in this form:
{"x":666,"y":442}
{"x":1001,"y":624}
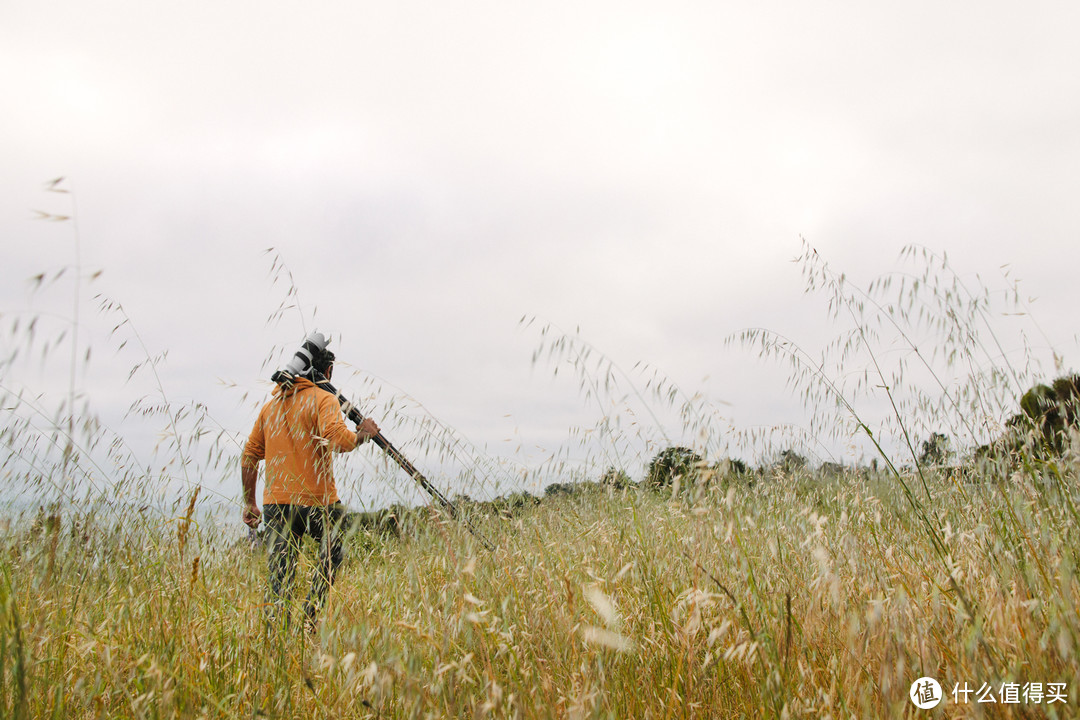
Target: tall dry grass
{"x":800,"y":595}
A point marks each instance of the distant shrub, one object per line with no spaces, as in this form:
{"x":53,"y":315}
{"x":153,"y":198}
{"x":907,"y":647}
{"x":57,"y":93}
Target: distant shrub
{"x":1050,"y":411}
{"x":511,"y":505}
{"x":614,"y":478}
{"x":832,"y":469}
{"x":381,"y":523}
{"x":738,"y":467}
{"x":730,"y":471}
{"x":936,"y":451}
{"x":556,"y":489}
{"x":671,"y":463}
{"x":791,"y":461}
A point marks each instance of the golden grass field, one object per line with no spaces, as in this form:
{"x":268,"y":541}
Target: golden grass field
{"x":785,"y":593}
{"x":801,"y":596}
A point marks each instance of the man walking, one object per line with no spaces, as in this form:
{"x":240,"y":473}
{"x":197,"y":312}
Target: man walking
{"x":296,"y":433}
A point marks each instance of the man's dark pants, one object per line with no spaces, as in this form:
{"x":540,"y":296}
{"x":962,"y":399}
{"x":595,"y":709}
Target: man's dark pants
{"x":287,"y":525}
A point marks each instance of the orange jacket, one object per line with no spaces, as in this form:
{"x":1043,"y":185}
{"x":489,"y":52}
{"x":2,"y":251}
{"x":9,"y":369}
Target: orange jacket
{"x":296,"y":433}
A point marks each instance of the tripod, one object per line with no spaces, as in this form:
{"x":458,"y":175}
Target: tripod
{"x":354,"y":415}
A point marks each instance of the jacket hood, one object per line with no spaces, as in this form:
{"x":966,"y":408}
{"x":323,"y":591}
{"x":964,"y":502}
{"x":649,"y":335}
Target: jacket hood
{"x":300,"y":383}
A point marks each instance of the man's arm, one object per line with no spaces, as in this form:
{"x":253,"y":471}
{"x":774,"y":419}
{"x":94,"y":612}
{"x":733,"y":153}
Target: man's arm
{"x":334,"y":429}
{"x":249,"y":475}
{"x":254,"y":451}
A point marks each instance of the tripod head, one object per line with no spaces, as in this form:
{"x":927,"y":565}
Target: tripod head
{"x":310,"y":358}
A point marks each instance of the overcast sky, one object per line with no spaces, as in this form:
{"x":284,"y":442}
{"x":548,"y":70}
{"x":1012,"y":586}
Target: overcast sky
{"x":430,"y":172}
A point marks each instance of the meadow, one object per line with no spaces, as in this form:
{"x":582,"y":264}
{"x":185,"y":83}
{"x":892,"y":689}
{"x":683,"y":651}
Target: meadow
{"x":799,"y":596}
{"x":789,"y":590}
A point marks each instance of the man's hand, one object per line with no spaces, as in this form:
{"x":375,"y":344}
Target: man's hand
{"x":249,"y":475}
{"x":366,"y":430}
{"x":252,"y":515}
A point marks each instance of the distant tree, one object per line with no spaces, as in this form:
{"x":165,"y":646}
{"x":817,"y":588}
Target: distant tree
{"x":614,"y":478}
{"x":512,"y":504}
{"x":791,"y":461}
{"x":674,"y":462}
{"x":1067,"y":394}
{"x":832,"y":469}
{"x":559,"y":489}
{"x":1039,"y":404}
{"x":731,"y":470}
{"x":990,"y":459}
{"x":1050,"y":411}
{"x":936,"y":451}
